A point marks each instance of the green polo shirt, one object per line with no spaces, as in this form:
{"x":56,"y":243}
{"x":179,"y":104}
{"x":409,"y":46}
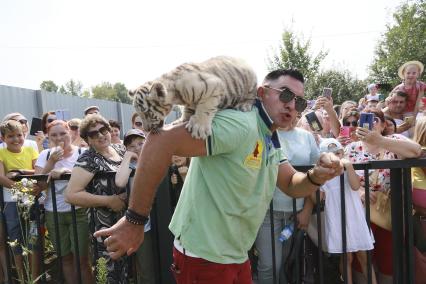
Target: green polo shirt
{"x":226,"y":193}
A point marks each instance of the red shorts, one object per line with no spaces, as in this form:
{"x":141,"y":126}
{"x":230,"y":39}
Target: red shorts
{"x":188,"y":269}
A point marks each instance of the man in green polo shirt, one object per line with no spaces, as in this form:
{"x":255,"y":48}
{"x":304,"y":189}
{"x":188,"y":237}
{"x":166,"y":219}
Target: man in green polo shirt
{"x":228,"y":188}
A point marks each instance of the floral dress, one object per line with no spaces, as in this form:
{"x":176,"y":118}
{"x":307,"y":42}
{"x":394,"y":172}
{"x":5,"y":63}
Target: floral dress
{"x":104,"y":217}
{"x":356,"y":153}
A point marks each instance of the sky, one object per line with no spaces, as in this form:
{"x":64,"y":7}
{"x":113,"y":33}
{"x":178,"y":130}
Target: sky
{"x":133,"y":41}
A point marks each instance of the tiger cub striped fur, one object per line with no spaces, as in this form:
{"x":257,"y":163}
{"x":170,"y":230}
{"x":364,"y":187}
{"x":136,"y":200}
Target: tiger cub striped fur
{"x":204,"y":88}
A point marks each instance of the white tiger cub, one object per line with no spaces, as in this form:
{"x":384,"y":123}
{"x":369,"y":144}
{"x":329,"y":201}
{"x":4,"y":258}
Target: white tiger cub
{"x":202,"y":88}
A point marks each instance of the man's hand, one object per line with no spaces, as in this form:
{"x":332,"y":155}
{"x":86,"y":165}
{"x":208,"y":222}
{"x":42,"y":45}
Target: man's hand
{"x":122,"y":238}
{"x":327,"y":167}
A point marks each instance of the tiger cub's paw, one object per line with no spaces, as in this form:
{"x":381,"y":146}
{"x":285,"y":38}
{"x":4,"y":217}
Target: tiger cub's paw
{"x":199,"y":126}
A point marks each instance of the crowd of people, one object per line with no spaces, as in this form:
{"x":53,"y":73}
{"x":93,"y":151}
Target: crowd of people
{"x":220,"y":203}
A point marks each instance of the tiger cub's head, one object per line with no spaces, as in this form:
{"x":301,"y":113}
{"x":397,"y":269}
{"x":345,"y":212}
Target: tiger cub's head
{"x":149,"y":101}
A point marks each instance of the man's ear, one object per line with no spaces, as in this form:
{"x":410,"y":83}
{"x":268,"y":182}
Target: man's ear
{"x":260,"y":93}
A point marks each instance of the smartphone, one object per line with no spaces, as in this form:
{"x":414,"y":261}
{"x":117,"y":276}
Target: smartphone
{"x":366,"y":120}
{"x":310,"y":104}
{"x":313,"y":121}
{"x":345,"y":131}
{"x":63,"y":114}
{"x":326,"y":92}
{"x":409,"y":119}
{"x":35,"y":125}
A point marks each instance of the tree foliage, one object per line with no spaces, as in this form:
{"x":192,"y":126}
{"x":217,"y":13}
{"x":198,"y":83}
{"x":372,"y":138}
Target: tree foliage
{"x":294,"y":53}
{"x":404,"y":40}
{"x":107,"y":91}
{"x":344,"y":85}
{"x":72,"y":87}
{"x":49,"y":86}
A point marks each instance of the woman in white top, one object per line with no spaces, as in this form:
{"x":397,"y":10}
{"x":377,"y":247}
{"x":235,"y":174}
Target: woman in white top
{"x":56,"y":161}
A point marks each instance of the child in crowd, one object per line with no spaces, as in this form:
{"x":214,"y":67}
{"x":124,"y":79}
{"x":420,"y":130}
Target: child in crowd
{"x":15,"y":159}
{"x":177,"y":172}
{"x":133,"y":140}
{"x":358,"y":236}
{"x":409,"y":72}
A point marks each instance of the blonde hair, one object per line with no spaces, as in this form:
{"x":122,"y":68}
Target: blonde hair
{"x":10,"y":126}
{"x":420,"y":131}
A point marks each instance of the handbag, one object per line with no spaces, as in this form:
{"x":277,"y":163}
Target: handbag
{"x":380,"y":212}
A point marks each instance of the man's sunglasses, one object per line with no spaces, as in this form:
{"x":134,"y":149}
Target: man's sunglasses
{"x":350,"y":123}
{"x":74,"y":127}
{"x":286,"y":96}
{"x":95,"y":133}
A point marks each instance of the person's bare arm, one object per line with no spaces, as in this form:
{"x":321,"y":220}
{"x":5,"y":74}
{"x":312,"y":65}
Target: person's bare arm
{"x":76,"y":193}
{"x":297,"y":184}
{"x":4,"y":180}
{"x":124,"y":171}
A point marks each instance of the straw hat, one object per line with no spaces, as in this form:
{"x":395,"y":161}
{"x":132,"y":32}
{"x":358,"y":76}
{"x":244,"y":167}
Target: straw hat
{"x":414,"y":62}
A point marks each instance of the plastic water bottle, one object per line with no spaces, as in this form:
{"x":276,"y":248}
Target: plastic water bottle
{"x":286,"y":232}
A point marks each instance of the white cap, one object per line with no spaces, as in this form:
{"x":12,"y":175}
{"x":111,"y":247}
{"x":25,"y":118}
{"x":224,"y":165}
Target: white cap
{"x":330,"y":145}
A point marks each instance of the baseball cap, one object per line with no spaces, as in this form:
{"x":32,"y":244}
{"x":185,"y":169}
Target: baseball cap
{"x":373,"y":98}
{"x":130,"y":133}
{"x":86,"y":110}
{"x":330,"y":145}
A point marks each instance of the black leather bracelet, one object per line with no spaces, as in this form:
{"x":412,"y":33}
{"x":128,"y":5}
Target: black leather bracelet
{"x":308,"y":175}
{"x":135,"y":218}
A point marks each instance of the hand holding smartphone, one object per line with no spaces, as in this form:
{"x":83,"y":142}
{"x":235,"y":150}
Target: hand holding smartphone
{"x":35,"y":126}
{"x":326,"y":92}
{"x":366,"y":120}
{"x":345,"y":131}
{"x":313,"y":121}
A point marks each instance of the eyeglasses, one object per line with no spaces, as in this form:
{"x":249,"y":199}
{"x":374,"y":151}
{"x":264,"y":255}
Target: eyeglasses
{"x":95,"y":133}
{"x":286,"y":96}
{"x":350,"y":123}
{"x":50,"y":120}
{"x":138,"y":123}
{"x":74,"y":127}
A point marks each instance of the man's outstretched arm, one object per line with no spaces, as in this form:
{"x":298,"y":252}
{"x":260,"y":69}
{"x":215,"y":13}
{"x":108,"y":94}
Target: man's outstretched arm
{"x":153,"y":162}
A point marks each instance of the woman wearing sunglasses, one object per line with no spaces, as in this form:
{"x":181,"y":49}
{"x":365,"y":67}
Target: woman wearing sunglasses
{"x":373,"y":145}
{"x":74,"y":125}
{"x":25,"y":129}
{"x":349,"y":125}
{"x":87,"y":190}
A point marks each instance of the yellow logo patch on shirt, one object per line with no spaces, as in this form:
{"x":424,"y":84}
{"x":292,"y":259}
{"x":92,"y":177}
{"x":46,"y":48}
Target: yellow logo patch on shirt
{"x":254,"y":159}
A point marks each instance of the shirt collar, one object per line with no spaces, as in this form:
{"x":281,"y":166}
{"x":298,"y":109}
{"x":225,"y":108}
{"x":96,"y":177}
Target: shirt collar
{"x":268,"y":122}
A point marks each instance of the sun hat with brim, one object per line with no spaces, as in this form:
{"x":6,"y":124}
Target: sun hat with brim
{"x":414,"y":62}
{"x":130,"y":133}
{"x":330,"y":145}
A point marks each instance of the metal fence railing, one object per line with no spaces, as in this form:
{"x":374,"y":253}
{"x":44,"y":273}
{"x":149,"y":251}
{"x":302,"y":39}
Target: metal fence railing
{"x":402,"y":227}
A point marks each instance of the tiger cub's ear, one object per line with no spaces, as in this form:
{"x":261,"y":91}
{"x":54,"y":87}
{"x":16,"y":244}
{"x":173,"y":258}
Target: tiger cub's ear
{"x":158,"y":90}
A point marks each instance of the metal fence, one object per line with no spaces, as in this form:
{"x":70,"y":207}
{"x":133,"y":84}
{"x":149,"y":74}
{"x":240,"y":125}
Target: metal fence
{"x":402,"y":226}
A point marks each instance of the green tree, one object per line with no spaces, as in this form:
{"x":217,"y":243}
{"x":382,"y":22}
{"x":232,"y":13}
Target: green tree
{"x":295,"y":53}
{"x":73,"y":88}
{"x":404,"y":40}
{"x":49,"y":86}
{"x":345,"y":86}
{"x":121,"y":93}
{"x":104,"y":91}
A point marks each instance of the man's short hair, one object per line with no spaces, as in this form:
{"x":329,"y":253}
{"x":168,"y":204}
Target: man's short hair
{"x":294,"y":73}
{"x":9,"y":126}
{"x":401,"y":94}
